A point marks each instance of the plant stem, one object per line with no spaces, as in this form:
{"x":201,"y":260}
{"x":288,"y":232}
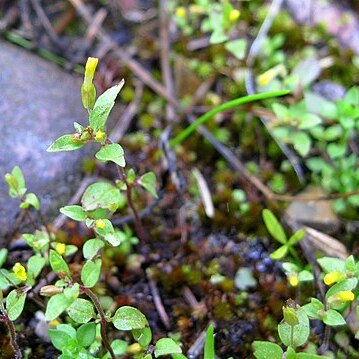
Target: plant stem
{"x":5,"y":318}
{"x":292,"y":336}
{"x":100,"y":311}
{"x":138,"y":222}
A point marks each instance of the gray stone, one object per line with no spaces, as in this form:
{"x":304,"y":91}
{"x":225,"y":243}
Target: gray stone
{"x":38,"y":103}
{"x":316,"y":214}
{"x":338,"y":21}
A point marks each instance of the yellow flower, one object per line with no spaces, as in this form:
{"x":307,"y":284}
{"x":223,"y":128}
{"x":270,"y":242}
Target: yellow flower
{"x":100,"y":136}
{"x":100,"y":224}
{"x":340,"y":297}
{"x":293,"y":279}
{"x":54,"y":323}
{"x":181,"y":11}
{"x":60,"y":248}
{"x":20,"y":271}
{"x":266,"y":77}
{"x":333,"y":277}
{"x":234,"y":15}
{"x":346,"y":296}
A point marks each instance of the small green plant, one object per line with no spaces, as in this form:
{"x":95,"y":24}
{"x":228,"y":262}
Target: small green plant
{"x":293,"y":331}
{"x":321,"y":131}
{"x":340,"y":275}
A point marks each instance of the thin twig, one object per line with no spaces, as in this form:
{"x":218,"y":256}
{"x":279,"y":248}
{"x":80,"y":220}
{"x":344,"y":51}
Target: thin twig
{"x":164,"y":56}
{"x":137,"y":219}
{"x":46,"y":23}
{"x":158,"y":302}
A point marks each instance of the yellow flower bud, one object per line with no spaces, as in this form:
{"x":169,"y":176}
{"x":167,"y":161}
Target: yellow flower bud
{"x":20,"y":271}
{"x":100,"y":224}
{"x":88,"y":90}
{"x":234,"y":15}
{"x":90,"y":69}
{"x":50,"y":290}
{"x":181,"y":11}
{"x":100,"y":136}
{"x":134,"y":349}
{"x":293,"y":279}
{"x":60,"y":248}
{"x":333,"y":277}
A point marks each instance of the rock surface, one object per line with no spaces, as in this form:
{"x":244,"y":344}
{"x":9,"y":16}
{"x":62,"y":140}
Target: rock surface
{"x":38,"y":103}
{"x":338,"y":21}
{"x":316,"y":214}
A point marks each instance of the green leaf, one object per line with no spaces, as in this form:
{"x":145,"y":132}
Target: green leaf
{"x":296,"y":237}
{"x":209,"y":352}
{"x":91,"y":247}
{"x":305,"y":276}
{"x":119,"y":347}
{"x":4,"y":282}
{"x":301,"y":331}
{"x":237,"y":48}
{"x":31,"y":200}
{"x":330,"y":264}
{"x":309,"y":120}
{"x":129,"y":318}
{"x":333,"y":318}
{"x":101,"y":195}
{"x":72,"y":292}
{"x":81,"y":311}
{"x":166,"y":346}
{"x":143,"y":336}
{"x":74,"y":212}
{"x":336,"y":150}
{"x":281,"y":112}
{"x":314,"y":308}
{"x":35,"y":265}
{"x":3,"y":256}
{"x":113,"y":152}
{"x":310,"y":356}
{"x":280,"y":253}
{"x":302,"y":143}
{"x":59,"y":339}
{"x":103,"y":107}
{"x":68,"y":329}
{"x":16,"y":182}
{"x":273,"y":226}
{"x":148,"y":181}
{"x":66,"y":143}
{"x":56,"y":305}
{"x":267,"y":350}
{"x":90,"y":272}
{"x":86,"y":334}
{"x":15,"y":304}
{"x":57,"y":263}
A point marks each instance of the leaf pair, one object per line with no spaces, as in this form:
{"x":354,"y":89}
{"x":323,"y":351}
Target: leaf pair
{"x":277,"y":232}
